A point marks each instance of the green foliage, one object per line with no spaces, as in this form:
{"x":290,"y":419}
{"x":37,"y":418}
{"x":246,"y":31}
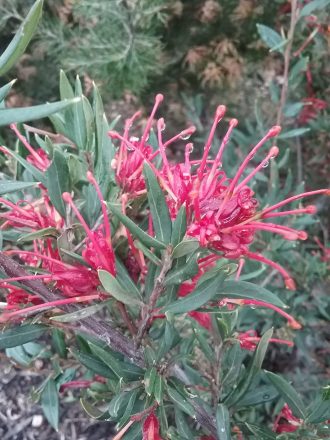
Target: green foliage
{"x":139,"y":346}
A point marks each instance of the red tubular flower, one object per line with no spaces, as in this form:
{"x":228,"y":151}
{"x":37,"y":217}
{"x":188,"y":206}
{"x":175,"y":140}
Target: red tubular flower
{"x":249,"y":340}
{"x":253,"y":302}
{"x":37,"y":215}
{"x":38,"y":157}
{"x":150,"y":429}
{"x":222,"y":213}
{"x":286,"y":421}
{"x":98,"y":251}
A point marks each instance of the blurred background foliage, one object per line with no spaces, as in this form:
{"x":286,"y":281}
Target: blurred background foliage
{"x":200,"y":53}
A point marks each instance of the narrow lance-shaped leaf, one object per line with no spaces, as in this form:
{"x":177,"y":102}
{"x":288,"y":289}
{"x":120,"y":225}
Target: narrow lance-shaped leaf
{"x":198,"y":297}
{"x":21,"y":335}
{"x":246,"y":290}
{"x":94,"y":364}
{"x":112,"y":286}
{"x":261,"y":433}
{"x":58,"y":181}
{"x":158,"y":207}
{"x":270,"y":37}
{"x":9,"y":186}
{"x":46,"y":232}
{"x":135,"y":230}
{"x":179,"y":226}
{"x":4,"y":90}
{"x":223,"y":424}
{"x":185,"y":247}
{"x":288,"y":393}
{"x":23,"y":114}
{"x":29,"y":167}
{"x":253,"y":368}
{"x":50,"y":403}
{"x":21,"y":39}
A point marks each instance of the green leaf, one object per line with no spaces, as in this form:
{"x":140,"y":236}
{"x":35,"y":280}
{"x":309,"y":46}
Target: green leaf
{"x":66,"y":91}
{"x":135,"y":230}
{"x":320,"y":410}
{"x":251,"y":371}
{"x":159,"y":389}
{"x":148,"y":253}
{"x":312,"y":6}
{"x":149,"y":380}
{"x":33,"y":170}
{"x":9,"y":186}
{"x":223,"y":423}
{"x":119,"y":403}
{"x":122,"y":370}
{"x":4,"y":90}
{"x":58,"y":341}
{"x":21,"y":39}
{"x":270,"y":37}
{"x":202,"y":294}
{"x":179,"y":226}
{"x":158,"y":206}
{"x":125,"y":280}
{"x":261,"y":433}
{"x":80,"y":314}
{"x":46,"y":232}
{"x":50,"y":403}
{"x":23,"y":114}
{"x":58,"y":181}
{"x":185,"y":247}
{"x":80,"y":135}
{"x":244,"y":289}
{"x":91,"y":410}
{"x":94,"y":364}
{"x":293,"y":133}
{"x":261,"y":394}
{"x":112,"y":286}
{"x":292,"y":110}
{"x":182,"y":426}
{"x":179,"y":401}
{"x":105,"y":150}
{"x":182,"y":273}
{"x":21,"y":335}
{"x":129,"y":408}
{"x":288,"y":393}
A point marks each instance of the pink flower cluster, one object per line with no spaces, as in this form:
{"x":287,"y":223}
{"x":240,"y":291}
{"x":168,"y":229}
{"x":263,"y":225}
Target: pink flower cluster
{"x":223,"y":213}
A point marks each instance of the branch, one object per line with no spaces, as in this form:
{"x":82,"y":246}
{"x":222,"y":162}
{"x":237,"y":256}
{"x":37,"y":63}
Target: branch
{"x":156,"y":293}
{"x":112,"y":337}
{"x":287,"y":57}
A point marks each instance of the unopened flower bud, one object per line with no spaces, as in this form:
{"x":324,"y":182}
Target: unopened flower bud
{"x":290,"y":284}
{"x":274,"y":131}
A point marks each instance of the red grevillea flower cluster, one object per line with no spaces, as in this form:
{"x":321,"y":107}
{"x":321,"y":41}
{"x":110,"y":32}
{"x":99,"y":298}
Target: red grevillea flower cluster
{"x":222,"y":212}
{"x":286,"y":421}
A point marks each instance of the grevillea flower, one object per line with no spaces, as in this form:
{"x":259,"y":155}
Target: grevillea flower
{"x":98,"y":251}
{"x":250,"y":339}
{"x":312,"y":106}
{"x":37,"y":215}
{"x":150,"y":428}
{"x":38,"y":157}
{"x":222,"y":213}
{"x":286,"y":421}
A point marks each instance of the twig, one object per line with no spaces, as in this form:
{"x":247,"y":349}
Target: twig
{"x":156,"y":293}
{"x":287,"y":57}
{"x":106,"y":333}
{"x":89,"y":325}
